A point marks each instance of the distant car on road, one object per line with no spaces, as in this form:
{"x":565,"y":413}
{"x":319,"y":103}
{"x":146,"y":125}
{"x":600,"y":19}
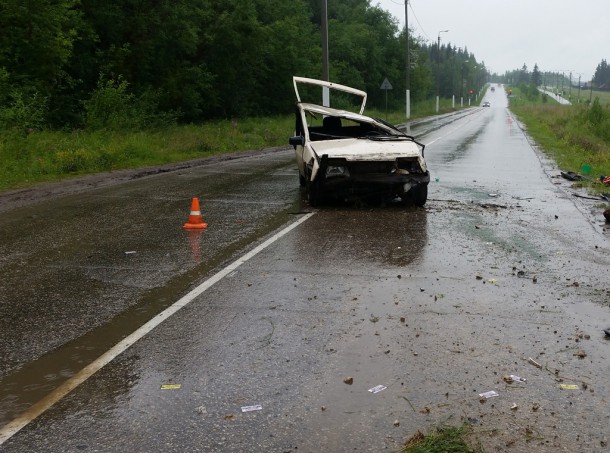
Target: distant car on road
{"x":486,"y":104}
{"x":343,"y":154}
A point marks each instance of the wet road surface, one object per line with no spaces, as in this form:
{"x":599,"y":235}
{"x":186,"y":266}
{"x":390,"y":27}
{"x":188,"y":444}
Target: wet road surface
{"x":437,"y":305}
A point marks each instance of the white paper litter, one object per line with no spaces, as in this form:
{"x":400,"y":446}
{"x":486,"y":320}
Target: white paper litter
{"x":377,"y":388}
{"x":256,"y":407}
{"x":490,"y":394}
{"x":517,"y":378}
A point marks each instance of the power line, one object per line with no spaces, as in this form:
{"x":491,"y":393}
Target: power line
{"x":417,"y":20}
{"x":415,"y":15}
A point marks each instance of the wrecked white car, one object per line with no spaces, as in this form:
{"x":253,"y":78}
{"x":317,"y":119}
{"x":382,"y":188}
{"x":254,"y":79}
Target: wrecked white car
{"x":344,"y":154}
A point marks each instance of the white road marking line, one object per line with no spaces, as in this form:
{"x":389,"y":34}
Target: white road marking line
{"x":13,"y":427}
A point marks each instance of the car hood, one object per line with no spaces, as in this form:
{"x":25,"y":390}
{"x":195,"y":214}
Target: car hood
{"x":354,"y":149}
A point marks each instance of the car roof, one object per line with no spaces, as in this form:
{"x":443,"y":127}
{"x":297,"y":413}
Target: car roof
{"x":331,"y":86}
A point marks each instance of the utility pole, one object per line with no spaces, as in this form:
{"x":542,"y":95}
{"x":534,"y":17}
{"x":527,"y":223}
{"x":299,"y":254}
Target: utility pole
{"x":325,"y":71}
{"x":438,"y":70}
{"x":408,"y":62}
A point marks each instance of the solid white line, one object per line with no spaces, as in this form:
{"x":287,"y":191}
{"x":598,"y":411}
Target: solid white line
{"x":12,"y":428}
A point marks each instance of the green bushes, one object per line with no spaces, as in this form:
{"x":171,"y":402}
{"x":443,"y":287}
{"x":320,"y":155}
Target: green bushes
{"x":19,"y":110}
{"x":43,"y":155}
{"x":113,"y":107}
{"x":597,"y":120}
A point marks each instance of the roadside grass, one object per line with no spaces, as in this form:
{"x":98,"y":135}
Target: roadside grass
{"x":583,"y":96}
{"x":448,"y":439}
{"x":574,"y":136}
{"x":54,"y":155}
{"x":43,"y":156}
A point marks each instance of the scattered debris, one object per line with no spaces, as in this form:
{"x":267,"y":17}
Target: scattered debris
{"x":568,"y":387}
{"x":513,"y":378}
{"x":533,"y":362}
{"x":607,"y":331}
{"x":396,"y":423}
{"x":514,"y":407}
{"x":348,"y":380}
{"x":323,"y":408}
{"x":571,"y":176}
{"x":585,"y":196}
{"x":130,"y":252}
{"x":535,"y":407}
{"x":581,"y":354}
{"x":605,"y":180}
{"x":229,"y":417}
{"x":490,"y":394}
{"x":201,"y":410}
{"x":377,"y":389}
{"x":256,"y":407}
{"x":492,"y":205}
{"x":171,"y":386}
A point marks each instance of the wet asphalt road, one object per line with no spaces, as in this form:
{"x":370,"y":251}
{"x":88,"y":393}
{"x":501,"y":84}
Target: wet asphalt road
{"x":435,"y":304}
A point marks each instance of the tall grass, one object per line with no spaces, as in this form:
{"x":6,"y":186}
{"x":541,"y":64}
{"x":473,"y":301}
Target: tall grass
{"x":51,"y":155}
{"x":573,"y":136}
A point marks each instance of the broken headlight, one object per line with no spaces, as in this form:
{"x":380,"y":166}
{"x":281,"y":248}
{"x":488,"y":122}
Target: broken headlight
{"x":334,"y":171}
{"x":408,"y":165}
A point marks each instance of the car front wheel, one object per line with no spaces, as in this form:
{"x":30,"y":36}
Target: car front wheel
{"x":418,"y":195}
{"x":313,"y":191}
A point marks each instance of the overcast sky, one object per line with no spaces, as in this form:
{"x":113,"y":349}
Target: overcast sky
{"x":558,"y":35}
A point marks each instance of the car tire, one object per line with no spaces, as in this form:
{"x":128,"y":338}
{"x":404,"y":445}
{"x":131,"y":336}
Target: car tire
{"x":313,"y":191}
{"x":418,"y":195}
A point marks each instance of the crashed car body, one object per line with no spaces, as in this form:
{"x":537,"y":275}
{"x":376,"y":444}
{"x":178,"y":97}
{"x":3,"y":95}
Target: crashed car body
{"x":342,"y":153}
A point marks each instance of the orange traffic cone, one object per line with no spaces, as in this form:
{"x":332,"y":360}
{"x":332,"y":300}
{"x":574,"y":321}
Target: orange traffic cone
{"x":195,"y":220}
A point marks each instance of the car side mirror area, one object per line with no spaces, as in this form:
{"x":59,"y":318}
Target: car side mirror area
{"x":296,"y":141}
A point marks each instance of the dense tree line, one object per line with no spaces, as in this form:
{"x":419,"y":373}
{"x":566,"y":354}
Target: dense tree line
{"x":601,"y":79}
{"x":139,"y":63}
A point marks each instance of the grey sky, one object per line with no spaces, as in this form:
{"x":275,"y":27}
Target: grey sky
{"x":558,"y":35}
